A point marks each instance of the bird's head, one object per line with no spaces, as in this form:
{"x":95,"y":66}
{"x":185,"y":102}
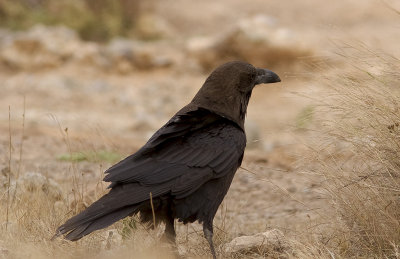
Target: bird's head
{"x":228,"y":89}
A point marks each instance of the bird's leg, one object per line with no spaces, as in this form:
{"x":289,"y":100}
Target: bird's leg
{"x":169,"y":234}
{"x":208,"y":234}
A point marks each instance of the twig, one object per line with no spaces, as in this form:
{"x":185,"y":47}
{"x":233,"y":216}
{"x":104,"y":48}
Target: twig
{"x":152,"y":210}
{"x":20,"y":153}
{"x":391,"y":7}
{"x":9,"y":165}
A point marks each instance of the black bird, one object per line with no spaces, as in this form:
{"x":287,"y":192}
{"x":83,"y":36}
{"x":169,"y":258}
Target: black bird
{"x":187,"y":166}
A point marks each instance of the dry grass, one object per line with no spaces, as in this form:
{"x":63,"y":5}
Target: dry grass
{"x":34,"y":216}
{"x":360,"y":160}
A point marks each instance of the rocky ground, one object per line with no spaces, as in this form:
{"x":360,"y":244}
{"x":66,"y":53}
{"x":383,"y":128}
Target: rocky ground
{"x":93,"y":99}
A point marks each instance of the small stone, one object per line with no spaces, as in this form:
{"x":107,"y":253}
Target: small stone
{"x":253,"y":135}
{"x":272,"y":240}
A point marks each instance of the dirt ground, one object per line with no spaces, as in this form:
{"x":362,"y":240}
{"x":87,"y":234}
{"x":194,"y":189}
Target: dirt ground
{"x":104,"y":110}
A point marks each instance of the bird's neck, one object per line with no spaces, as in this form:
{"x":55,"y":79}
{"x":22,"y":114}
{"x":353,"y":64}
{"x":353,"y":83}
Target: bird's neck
{"x":232,"y":107}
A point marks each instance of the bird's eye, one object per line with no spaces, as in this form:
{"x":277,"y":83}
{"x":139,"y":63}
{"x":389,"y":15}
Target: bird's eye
{"x":246,"y":81}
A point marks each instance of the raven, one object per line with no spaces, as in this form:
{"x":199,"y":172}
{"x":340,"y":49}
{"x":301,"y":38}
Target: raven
{"x":186,"y":168}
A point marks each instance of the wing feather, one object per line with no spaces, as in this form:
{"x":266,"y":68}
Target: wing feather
{"x":188,"y":151}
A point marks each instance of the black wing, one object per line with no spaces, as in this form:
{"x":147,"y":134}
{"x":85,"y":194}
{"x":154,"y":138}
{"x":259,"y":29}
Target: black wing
{"x":192,"y":148}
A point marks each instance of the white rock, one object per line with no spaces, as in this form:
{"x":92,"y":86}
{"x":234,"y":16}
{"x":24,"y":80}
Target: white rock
{"x":272,"y":240}
{"x":257,"y":39}
{"x":200,"y":43}
{"x":120,"y":47}
{"x":150,"y":26}
{"x":124,"y":55}
{"x":253,"y":135}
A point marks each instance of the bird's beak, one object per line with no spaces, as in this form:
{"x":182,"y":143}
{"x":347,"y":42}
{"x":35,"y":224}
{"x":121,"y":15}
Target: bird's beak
{"x":265,"y":76}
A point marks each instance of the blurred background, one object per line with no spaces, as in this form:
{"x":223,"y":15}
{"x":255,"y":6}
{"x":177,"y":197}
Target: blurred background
{"x":87,"y":82}
{"x":127,"y":66}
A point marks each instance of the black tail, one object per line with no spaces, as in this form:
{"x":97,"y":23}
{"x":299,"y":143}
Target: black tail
{"x":77,"y":227}
{"x":123,"y":200}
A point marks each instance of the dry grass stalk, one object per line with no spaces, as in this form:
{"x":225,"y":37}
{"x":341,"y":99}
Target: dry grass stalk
{"x":152,"y":210}
{"x":9,"y":166}
{"x":21,"y":145}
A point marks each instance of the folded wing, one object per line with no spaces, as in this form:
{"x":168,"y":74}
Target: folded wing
{"x":189,"y":150}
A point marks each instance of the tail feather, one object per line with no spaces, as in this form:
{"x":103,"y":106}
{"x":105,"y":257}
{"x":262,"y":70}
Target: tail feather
{"x":119,"y":197}
{"x":86,"y":228}
{"x":120,"y":202}
{"x":77,"y":230}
